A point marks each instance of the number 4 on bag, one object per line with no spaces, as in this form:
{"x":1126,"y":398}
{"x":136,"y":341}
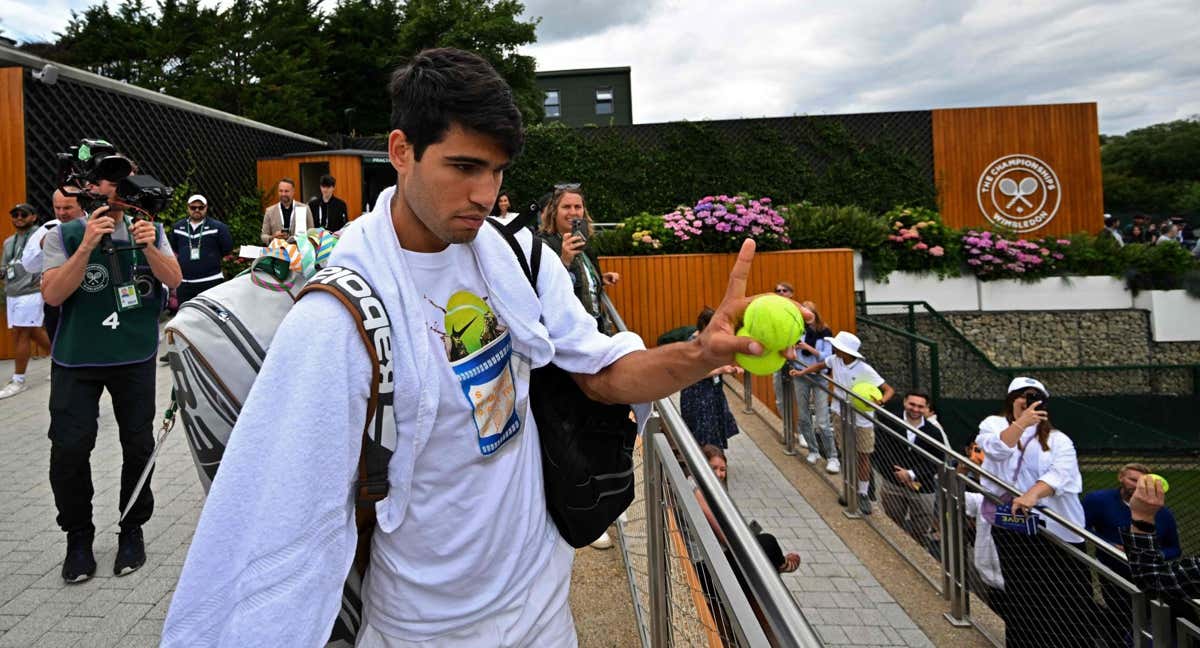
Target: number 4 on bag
{"x":112,"y":321}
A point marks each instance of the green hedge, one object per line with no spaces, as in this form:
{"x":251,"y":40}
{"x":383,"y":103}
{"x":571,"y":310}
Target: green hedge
{"x":623,"y":177}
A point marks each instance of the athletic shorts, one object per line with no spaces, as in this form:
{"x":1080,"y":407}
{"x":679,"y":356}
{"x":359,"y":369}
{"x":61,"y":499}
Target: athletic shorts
{"x":542,"y":618}
{"x":25,"y":310}
{"x":864,"y":437}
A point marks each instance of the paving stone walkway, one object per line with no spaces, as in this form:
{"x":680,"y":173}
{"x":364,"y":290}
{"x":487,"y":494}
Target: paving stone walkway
{"x":841,"y":598}
{"x":838,"y":595}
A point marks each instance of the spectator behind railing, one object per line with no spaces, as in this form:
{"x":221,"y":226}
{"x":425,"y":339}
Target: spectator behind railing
{"x":703,"y":405}
{"x":1107,"y":512}
{"x":1049,"y":593}
{"x":849,"y":369}
{"x":566,"y":227}
{"x":908,"y":479}
{"x":814,"y":348}
{"x":1151,"y":571}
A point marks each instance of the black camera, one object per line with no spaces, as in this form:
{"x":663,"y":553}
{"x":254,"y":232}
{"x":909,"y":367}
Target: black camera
{"x":94,"y":160}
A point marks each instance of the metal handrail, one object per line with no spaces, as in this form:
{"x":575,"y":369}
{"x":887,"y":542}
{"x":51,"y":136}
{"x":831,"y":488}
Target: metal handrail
{"x":783,"y":615}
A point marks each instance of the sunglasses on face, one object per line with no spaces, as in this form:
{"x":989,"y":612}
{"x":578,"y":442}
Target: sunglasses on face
{"x":197,"y":208}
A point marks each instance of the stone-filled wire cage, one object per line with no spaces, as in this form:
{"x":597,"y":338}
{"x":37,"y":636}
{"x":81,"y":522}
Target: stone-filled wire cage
{"x":173,"y":140}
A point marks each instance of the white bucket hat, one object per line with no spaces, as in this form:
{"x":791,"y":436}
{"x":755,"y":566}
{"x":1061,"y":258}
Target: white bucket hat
{"x":846,"y":341}
{"x":1026,"y":383}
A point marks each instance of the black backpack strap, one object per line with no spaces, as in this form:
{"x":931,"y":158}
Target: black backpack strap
{"x":379,"y":431}
{"x":533,"y":265}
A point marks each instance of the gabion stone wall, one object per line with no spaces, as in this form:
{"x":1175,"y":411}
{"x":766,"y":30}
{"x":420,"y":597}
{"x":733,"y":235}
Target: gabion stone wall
{"x":169,"y":143}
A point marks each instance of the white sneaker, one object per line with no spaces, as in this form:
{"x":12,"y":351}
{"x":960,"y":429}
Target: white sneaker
{"x":813,"y":457}
{"x":834,"y":466}
{"x":603,"y":542}
{"x":12,"y":389}
{"x":803,"y":442}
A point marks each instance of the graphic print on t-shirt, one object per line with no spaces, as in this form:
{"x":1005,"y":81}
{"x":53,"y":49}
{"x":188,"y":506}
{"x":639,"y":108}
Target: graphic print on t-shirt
{"x":479,"y":348}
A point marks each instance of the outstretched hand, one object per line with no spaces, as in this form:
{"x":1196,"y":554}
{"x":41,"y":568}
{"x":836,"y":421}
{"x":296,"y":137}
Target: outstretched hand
{"x":719,"y":340}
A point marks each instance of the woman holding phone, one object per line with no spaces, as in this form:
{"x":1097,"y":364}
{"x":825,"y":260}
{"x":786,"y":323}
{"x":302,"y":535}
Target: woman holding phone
{"x":566,"y":227}
{"x":1049,"y":592}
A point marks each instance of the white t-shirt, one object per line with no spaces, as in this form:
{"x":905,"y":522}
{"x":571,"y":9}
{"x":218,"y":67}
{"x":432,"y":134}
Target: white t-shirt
{"x":1058,"y":467}
{"x":476,"y":532}
{"x":846,"y":376}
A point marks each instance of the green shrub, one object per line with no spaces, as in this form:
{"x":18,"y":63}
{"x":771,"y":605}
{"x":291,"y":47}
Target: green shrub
{"x":630,"y":237}
{"x":1156,"y":267}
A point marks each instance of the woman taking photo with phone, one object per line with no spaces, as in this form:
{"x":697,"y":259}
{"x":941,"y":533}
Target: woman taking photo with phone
{"x":1048,"y":591}
{"x":566,"y":227}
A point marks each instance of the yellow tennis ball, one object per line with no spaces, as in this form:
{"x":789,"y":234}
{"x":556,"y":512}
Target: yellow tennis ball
{"x":867,"y":391}
{"x":774,"y":321}
{"x":764,"y":365}
{"x":1162,"y":480}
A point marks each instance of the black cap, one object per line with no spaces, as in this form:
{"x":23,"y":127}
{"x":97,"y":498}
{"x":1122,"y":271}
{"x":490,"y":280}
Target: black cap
{"x":22,"y":207}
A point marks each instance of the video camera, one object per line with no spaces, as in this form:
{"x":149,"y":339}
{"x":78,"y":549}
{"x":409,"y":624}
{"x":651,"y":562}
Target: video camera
{"x":82,"y":167}
{"x":94,"y":160}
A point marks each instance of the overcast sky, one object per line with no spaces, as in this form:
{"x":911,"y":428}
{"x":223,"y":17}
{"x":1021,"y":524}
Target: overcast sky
{"x":712,"y":59}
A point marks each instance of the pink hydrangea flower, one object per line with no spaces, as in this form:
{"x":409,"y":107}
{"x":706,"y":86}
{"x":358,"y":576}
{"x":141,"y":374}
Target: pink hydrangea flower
{"x":920,"y":246}
{"x":937,"y":251}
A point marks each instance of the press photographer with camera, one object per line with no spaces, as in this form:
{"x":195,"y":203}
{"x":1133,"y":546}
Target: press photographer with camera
{"x":1049,"y":593}
{"x":566,"y":227}
{"x":107,"y":274}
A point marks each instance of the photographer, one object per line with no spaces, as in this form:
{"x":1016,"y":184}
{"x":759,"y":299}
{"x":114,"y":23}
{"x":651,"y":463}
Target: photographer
{"x":106,"y":274}
{"x":566,"y":227}
{"x":1048,"y":592}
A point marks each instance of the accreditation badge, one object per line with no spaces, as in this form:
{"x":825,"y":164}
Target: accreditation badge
{"x":195,"y":254}
{"x":11,"y":272}
{"x":127,"y":297}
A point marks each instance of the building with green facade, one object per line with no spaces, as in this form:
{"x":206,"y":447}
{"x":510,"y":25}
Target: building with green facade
{"x":593,"y":96}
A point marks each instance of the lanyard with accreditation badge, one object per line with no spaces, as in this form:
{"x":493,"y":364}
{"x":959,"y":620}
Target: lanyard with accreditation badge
{"x":195,"y":240}
{"x":127,"y":293}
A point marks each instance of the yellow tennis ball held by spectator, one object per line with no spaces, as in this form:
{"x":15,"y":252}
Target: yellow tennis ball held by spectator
{"x":868,"y":392}
{"x":1162,"y":480}
{"x":777,"y":324}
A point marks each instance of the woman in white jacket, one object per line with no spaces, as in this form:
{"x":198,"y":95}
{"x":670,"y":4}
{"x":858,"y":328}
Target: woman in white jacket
{"x":1048,"y":591}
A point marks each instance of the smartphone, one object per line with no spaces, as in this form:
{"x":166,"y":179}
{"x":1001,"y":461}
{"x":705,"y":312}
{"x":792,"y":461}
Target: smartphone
{"x":1042,"y":401}
{"x":579,"y":227}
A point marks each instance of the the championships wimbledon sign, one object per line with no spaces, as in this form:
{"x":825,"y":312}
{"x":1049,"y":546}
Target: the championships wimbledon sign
{"x":1019,"y":192}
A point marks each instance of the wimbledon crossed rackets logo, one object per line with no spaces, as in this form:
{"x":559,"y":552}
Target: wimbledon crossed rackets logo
{"x":1019,"y":192}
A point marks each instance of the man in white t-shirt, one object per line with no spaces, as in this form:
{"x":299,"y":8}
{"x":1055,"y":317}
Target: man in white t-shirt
{"x":464,"y":553}
{"x":848,"y":368}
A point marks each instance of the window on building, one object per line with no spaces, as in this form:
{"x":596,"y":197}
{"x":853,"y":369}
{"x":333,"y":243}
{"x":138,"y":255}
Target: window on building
{"x":552,"y":105}
{"x":604,"y":101}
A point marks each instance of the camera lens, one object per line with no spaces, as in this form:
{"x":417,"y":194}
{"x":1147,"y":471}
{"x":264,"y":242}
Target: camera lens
{"x":145,"y":286}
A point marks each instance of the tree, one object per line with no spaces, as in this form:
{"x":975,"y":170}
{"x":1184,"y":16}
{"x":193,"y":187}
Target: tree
{"x":1154,"y":169}
{"x":489,"y":28}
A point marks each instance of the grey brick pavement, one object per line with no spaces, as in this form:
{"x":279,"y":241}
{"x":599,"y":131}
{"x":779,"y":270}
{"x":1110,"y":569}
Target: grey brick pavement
{"x":838,"y":595}
{"x":845,"y":603}
{"x":36,"y":608}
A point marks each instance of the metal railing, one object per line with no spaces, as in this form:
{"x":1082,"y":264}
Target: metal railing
{"x":686,"y":585}
{"x":925,"y":514}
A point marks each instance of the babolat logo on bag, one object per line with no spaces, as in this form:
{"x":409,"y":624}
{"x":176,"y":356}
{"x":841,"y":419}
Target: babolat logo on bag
{"x":1024,"y":523}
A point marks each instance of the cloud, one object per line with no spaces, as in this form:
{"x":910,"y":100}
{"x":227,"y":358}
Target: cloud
{"x":708,"y":59}
{"x":568,"y":19}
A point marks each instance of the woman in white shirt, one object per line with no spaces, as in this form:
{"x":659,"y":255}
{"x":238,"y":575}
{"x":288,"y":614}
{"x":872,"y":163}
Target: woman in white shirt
{"x":1048,"y":591}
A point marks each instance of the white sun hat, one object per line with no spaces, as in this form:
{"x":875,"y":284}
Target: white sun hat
{"x":846,"y":341}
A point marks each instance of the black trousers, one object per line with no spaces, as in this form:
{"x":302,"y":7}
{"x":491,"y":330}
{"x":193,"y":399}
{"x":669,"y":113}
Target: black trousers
{"x":186,"y":291}
{"x":1048,"y":594}
{"x":74,"y":410}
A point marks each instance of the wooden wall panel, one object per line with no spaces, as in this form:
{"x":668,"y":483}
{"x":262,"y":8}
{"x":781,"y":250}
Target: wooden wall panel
{"x":967,"y":141}
{"x":346,"y":169}
{"x":12,"y":171}
{"x":659,"y":293}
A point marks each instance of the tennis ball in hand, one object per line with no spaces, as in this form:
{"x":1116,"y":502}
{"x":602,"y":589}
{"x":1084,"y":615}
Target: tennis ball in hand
{"x":774,"y":321}
{"x":764,"y":365}
{"x":867,"y":391}
{"x":1162,"y":480}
